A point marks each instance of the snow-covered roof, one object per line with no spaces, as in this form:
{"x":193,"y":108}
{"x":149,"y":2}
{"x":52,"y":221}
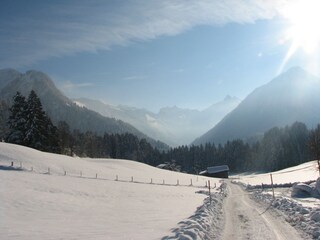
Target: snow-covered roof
{"x":162,"y":165}
{"x":217,"y":169}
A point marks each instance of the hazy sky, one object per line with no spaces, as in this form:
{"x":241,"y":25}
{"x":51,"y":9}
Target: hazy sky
{"x":156,"y":53}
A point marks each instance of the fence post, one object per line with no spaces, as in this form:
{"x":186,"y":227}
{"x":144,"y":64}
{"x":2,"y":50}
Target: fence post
{"x":11,"y":164}
{"x":96,"y":175}
{"x":272,"y":185}
{"x":191,"y":182}
{"x":65,"y":173}
{"x":80,"y":173}
{"x":151,"y":181}
{"x":178,"y":182}
{"x":131,"y":179}
{"x":163,"y":182}
{"x":209,"y":190}
{"x":116,"y":177}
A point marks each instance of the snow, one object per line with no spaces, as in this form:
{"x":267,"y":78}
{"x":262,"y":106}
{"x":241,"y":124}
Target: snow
{"x":302,"y":213}
{"x":59,"y":197}
{"x":79,"y":104}
{"x":39,"y":205}
{"x":301,"y":173}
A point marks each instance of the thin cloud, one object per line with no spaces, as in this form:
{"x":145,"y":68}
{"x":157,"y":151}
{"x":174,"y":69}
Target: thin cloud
{"x":66,"y":28}
{"x":129,"y":78}
{"x":68,"y":85}
{"x":179,"y":70}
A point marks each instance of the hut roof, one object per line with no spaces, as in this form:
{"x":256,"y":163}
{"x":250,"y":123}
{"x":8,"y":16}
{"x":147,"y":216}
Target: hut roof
{"x":217,"y":169}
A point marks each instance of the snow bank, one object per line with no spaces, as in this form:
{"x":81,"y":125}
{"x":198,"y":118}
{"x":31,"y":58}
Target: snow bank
{"x":36,"y":205}
{"x":206,"y":223}
{"x":305,"y":219}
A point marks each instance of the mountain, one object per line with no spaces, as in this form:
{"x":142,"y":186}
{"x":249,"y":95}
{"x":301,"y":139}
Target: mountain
{"x":173,"y":125}
{"x":59,"y":107}
{"x":292,"y":96}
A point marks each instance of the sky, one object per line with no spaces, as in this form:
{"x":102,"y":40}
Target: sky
{"x":153,"y":54}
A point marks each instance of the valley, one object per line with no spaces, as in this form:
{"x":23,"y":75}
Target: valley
{"x":170,"y":120}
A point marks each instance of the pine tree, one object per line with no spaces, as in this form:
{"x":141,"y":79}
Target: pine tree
{"x":17,"y":120}
{"x":314,"y":143}
{"x":40,"y":134}
{"x":66,"y":141}
{"x":4,"y":116}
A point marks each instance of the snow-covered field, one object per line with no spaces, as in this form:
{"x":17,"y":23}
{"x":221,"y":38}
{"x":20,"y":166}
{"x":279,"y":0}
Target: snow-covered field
{"x":81,"y":199}
{"x":61,"y":197}
{"x":301,"y":173}
{"x":305,"y":172}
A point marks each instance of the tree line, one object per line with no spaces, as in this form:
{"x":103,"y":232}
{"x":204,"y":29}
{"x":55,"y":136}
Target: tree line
{"x":279,"y":148}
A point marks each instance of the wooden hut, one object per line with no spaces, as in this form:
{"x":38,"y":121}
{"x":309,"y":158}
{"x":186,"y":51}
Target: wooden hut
{"x":216,"y":171}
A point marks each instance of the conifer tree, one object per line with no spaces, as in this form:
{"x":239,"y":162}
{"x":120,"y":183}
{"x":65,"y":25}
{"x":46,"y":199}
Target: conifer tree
{"x":40,"y":134}
{"x":314,"y":143}
{"x":17,"y":120}
{"x":30,"y":126}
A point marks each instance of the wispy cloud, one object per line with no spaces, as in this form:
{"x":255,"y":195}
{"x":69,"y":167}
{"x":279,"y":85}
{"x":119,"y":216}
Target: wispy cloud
{"x":179,"y":70}
{"x":137,"y":77}
{"x":67,"y":27}
{"x":68,"y":85}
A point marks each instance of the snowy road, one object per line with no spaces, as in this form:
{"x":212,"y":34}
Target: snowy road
{"x":243,"y":219}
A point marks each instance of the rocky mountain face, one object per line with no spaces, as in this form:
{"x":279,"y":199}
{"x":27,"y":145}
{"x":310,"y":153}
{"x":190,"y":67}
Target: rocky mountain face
{"x":292,"y":96}
{"x":59,"y":107}
{"x":173,"y":125}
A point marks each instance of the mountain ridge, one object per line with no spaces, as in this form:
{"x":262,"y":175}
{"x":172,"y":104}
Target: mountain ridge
{"x":173,"y":125}
{"x":59,"y":107}
{"x":289,"y":97}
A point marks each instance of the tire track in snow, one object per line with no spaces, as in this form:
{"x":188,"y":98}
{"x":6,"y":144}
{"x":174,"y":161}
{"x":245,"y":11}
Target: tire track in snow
{"x":243,"y":219}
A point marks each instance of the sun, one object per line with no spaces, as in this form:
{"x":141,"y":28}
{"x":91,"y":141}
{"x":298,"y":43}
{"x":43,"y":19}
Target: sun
{"x":303,"y":32}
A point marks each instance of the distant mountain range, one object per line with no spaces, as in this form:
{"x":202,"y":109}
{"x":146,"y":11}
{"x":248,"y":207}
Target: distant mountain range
{"x":59,"y":107}
{"x":292,"y":96}
{"x":173,"y":125}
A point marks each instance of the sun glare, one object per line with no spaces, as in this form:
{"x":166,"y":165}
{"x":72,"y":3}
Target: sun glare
{"x":304,"y":30}
{"x":304,"y":18}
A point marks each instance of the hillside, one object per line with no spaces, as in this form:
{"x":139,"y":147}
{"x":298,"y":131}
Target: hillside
{"x":59,"y":107}
{"x":292,"y":96}
{"x":38,"y":205}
